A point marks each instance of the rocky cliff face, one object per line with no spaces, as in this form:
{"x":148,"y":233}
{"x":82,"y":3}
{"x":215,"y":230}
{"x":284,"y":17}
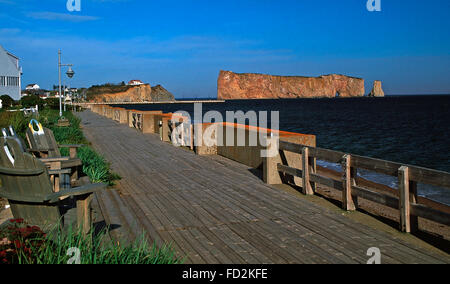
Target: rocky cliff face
{"x":377,"y":90}
{"x":142,"y":93}
{"x":159,"y":94}
{"x":232,"y":86}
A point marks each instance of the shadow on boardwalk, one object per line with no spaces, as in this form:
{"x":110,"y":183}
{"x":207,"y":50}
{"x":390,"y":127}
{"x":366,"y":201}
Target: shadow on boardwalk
{"x":214,"y":210}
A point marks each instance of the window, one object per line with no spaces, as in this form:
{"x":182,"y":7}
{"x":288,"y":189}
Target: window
{"x":9,"y":81}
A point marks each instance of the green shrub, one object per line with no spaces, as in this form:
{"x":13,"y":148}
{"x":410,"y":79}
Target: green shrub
{"x":7,"y":101}
{"x":52,"y":103}
{"x":31,"y":101}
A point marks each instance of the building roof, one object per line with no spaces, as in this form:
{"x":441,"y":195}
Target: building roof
{"x":135,"y":81}
{"x":7,"y":64}
{"x":10,"y":54}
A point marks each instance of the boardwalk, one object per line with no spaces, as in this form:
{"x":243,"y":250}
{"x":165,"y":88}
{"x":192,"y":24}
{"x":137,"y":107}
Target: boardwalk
{"x":216,"y":211}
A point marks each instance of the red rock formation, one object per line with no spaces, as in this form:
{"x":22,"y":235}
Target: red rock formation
{"x":258,"y":86}
{"x":377,"y":90}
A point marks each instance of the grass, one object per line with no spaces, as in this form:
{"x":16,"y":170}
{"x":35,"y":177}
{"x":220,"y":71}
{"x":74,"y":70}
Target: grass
{"x":16,"y":119}
{"x":29,"y":245}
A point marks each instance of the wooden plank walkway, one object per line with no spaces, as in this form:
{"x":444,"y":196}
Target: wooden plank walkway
{"x":214,"y":210}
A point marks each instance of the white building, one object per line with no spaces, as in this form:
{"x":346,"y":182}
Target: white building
{"x":135,"y":83}
{"x":32,"y":87}
{"x":10,"y":74}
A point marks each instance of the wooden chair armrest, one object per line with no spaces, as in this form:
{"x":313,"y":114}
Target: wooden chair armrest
{"x":82,"y":190}
{"x":21,"y":172}
{"x":59,"y":172}
{"x":52,"y":160}
{"x":71,"y":146}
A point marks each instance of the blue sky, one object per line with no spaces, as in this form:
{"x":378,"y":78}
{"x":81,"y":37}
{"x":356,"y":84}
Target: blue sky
{"x":184,"y":44}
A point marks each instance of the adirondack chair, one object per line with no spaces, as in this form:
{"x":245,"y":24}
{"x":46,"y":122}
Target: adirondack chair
{"x":25,"y":182}
{"x":11,"y":132}
{"x":43,"y":145}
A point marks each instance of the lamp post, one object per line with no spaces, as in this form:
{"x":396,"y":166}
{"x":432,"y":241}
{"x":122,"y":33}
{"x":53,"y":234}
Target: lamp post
{"x":69,"y":73}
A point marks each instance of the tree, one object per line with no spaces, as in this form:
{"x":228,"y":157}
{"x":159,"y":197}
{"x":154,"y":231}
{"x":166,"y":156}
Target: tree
{"x":31,"y":101}
{"x":7,"y":101}
{"x":52,"y":103}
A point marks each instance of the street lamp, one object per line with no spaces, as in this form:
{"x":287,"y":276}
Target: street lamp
{"x":69,"y":73}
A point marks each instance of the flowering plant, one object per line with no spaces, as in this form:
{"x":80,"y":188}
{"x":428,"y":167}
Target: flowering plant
{"x":18,"y":238}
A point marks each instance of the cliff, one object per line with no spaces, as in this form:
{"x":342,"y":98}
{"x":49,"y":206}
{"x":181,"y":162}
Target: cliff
{"x":118,"y":93}
{"x":159,"y":94}
{"x":377,"y":90}
{"x":232,"y":86}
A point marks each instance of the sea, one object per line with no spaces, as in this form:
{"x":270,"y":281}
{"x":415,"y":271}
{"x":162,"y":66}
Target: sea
{"x":413,"y":130}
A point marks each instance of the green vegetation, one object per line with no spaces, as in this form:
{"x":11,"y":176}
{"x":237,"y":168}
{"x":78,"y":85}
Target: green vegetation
{"x":31,"y":101}
{"x":52,"y":103}
{"x":16,"y":119}
{"x":23,"y":244}
{"x":7,"y":101}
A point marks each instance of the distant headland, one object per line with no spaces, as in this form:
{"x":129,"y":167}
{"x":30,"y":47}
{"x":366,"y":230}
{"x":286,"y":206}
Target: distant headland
{"x":231,"y":86}
{"x":133,"y":92}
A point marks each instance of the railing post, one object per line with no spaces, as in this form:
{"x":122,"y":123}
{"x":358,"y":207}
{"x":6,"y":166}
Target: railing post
{"x":348,"y":180}
{"x":307,"y":188}
{"x":408,"y":192}
{"x":191,"y":137}
{"x":414,"y":220}
{"x":271,"y":175}
{"x":183,"y":143}
{"x":404,"y":206}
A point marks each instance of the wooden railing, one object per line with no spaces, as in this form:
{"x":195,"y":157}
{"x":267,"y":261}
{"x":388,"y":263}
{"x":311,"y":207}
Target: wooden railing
{"x":408,"y":177}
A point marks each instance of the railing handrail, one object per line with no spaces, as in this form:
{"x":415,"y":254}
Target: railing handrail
{"x":417,"y":174}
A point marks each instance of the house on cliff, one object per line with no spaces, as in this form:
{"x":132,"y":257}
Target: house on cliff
{"x":135,"y":83}
{"x":32,"y":87}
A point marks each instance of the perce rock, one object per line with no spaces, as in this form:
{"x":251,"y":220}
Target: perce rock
{"x":233,"y":86}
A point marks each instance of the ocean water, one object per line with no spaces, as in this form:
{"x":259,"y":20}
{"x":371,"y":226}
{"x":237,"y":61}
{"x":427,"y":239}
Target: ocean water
{"x":407,"y":129}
